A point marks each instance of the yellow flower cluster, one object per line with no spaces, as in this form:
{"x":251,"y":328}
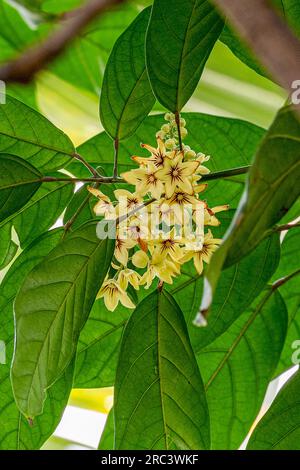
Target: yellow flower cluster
{"x":161,"y":225}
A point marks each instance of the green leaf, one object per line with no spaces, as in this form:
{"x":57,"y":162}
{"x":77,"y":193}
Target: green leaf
{"x":8,"y":247}
{"x":15,"y":432}
{"x":80,"y":207}
{"x":19,"y":180}
{"x":42,"y":211}
{"x":108,"y":434}
{"x":279,"y":429}
{"x":238,"y":366}
{"x":271,"y":190}
{"x":180,"y":37}
{"x":29,"y":135}
{"x":126,"y":97}
{"x":98,"y":347}
{"x":51,"y":308}
{"x":230,"y":142}
{"x":237,"y":289}
{"x":289,"y":263}
{"x":158,"y":386}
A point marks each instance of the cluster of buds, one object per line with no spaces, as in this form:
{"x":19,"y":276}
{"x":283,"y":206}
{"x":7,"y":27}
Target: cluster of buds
{"x":161,"y":224}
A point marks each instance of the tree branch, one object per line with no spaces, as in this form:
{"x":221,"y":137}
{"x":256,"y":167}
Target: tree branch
{"x":111,"y":179}
{"x":24,"y":67}
{"x":268,"y":36}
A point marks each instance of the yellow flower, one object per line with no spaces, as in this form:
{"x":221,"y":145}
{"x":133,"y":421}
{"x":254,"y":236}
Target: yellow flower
{"x":210,"y":245}
{"x":146,"y":181}
{"x":176,"y":173}
{"x":180,"y":201}
{"x":130,"y":276}
{"x":112,"y":294}
{"x":121,"y":249}
{"x":104,"y":206}
{"x":158,"y":154}
{"x":169,"y":245}
{"x":158,"y":265}
{"x":209,"y":215}
{"x":127,"y":201}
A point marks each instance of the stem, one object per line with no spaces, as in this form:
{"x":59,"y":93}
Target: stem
{"x":124,"y":217}
{"x":177,"y":119}
{"x":282,"y":228}
{"x":116,"y":147}
{"x":70,"y":222}
{"x":86,"y":164}
{"x":35,"y":58}
{"x":226,"y":173}
{"x":284,"y":280}
{"x":269,"y":37}
{"x":98,"y":179}
{"x":113,"y":179}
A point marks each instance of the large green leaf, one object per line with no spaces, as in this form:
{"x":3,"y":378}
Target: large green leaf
{"x":108,"y":434}
{"x":80,"y":208}
{"x":98,"y":347}
{"x":230,"y":142}
{"x":159,"y":396}
{"x":8,"y":247}
{"x":19,"y":180}
{"x":126,"y":97}
{"x":42,"y":211}
{"x":15,"y":432}
{"x":29,"y":135}
{"x":279,"y":429}
{"x":238,"y":367}
{"x":272,"y":188}
{"x":51,"y":308}
{"x":289,"y":263}
{"x":180,"y":37}
{"x":237,"y":289}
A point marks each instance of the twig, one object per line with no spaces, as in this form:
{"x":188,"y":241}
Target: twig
{"x":283,"y":280}
{"x":98,"y":179}
{"x":86,"y":164}
{"x":268,"y":36}
{"x":177,"y":120}
{"x":116,"y":155}
{"x":34,"y":59}
{"x":226,"y":173}
{"x":112,"y":179}
{"x":283,"y":228}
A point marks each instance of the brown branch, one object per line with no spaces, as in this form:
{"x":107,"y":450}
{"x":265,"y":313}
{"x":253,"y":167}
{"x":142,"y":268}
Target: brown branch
{"x":34,"y":59}
{"x":268,"y":36}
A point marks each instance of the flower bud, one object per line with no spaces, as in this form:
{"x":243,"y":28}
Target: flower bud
{"x":183,"y":132}
{"x":190,"y":154}
{"x":161,"y":135}
{"x":169,"y":116}
{"x":170,"y":143}
{"x":166,"y":128}
{"x":182,"y":122}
